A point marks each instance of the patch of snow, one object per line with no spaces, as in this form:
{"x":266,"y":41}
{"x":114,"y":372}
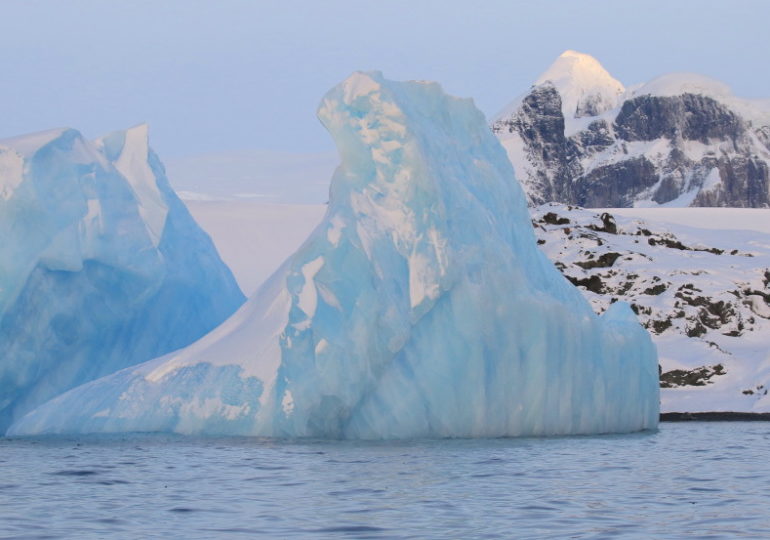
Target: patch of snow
{"x":713,"y":180}
{"x":759,"y":306}
{"x":676,"y":84}
{"x":749,"y":219}
{"x":308,"y":296}
{"x":683,"y":201}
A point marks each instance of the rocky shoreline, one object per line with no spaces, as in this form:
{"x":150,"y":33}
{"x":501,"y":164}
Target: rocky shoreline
{"x":715,"y":416}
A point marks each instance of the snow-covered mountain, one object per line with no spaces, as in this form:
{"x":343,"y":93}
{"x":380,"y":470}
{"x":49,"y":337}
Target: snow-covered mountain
{"x":101,"y":265}
{"x":579,"y":137}
{"x":704,"y":294}
{"x":420,"y":306}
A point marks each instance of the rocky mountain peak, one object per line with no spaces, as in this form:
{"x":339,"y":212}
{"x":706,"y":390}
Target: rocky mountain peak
{"x":586,"y":88}
{"x":579,"y":137}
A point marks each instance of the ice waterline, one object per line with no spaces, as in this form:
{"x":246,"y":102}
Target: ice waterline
{"x":419,"y":307}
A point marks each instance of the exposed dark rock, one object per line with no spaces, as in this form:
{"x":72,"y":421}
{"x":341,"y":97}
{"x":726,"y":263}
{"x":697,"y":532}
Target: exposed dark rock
{"x":596,"y":138}
{"x":696,"y":377}
{"x":673,"y":244}
{"x":605,"y":260}
{"x":745,"y":183}
{"x":690,"y":116}
{"x":697,"y":330}
{"x":540,"y":123}
{"x":608,"y":224}
{"x":676,"y":244}
{"x":554,"y":219}
{"x":655,"y":289}
{"x":614,"y":186}
{"x":593,"y":283}
{"x":660,"y":326}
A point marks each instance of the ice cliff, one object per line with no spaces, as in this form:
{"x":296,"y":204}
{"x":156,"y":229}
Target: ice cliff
{"x":101,"y":265}
{"x":419,"y":307}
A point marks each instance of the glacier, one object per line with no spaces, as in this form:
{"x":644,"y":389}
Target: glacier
{"x":419,"y":307}
{"x":101,"y":264}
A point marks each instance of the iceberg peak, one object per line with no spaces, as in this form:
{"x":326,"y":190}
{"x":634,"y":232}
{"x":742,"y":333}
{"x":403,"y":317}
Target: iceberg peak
{"x":361,"y":83}
{"x":27,"y":145}
{"x":129,"y":151}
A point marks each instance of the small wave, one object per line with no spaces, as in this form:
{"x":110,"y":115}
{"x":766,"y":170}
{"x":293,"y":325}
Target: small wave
{"x":75,"y":472}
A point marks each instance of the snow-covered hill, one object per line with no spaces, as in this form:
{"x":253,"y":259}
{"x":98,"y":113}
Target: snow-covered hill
{"x":579,"y":137}
{"x":704,"y":294}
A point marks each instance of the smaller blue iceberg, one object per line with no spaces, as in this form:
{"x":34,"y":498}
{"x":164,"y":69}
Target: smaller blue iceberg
{"x":101,"y":265}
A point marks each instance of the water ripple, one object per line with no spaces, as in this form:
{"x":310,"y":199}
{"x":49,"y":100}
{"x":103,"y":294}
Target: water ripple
{"x":684,"y":481}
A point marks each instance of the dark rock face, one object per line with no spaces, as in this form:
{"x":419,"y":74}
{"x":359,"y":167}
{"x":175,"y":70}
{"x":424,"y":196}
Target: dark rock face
{"x":689,"y":116}
{"x":653,"y":148}
{"x":541,"y":123}
{"x":745,"y":183}
{"x":696,"y":377}
{"x":596,"y":138}
{"x":616,"y":185}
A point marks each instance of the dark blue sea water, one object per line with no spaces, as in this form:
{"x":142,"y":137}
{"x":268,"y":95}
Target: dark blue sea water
{"x":690,"y":480}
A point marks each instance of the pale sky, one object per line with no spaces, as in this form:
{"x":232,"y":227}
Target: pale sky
{"x":235,"y":74}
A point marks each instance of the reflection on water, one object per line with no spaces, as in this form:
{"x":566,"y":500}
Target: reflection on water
{"x":689,"y":480}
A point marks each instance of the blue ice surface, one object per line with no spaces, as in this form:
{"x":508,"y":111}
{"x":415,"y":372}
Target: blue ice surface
{"x":419,"y":307}
{"x":101,"y":265}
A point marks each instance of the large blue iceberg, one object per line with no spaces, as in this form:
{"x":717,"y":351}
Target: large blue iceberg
{"x":101,"y":265}
{"x":419,"y":307}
